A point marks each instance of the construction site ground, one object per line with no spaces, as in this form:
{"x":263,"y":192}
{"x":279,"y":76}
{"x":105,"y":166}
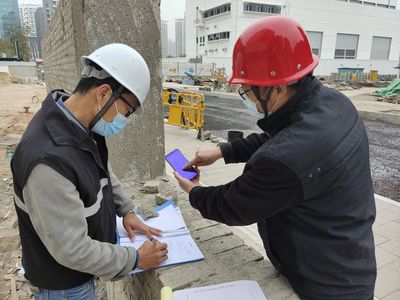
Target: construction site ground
{"x":14,"y":119}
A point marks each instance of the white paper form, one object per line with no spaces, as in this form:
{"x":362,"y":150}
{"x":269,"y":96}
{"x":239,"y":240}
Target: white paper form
{"x":181,"y":249}
{"x":181,"y":246}
{"x":236,"y":290}
{"x":168,"y":220}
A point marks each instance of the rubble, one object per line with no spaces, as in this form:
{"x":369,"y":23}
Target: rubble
{"x":165,"y":179}
{"x":147,"y":212}
{"x":160,"y":199}
{"x":151,"y":187}
{"x":395,"y":99}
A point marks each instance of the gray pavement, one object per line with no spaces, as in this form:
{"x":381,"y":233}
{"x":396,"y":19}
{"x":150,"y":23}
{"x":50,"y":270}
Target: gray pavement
{"x":386,"y":228}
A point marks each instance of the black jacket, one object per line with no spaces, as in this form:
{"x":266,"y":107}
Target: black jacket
{"x":53,"y":140}
{"x":309,"y":189}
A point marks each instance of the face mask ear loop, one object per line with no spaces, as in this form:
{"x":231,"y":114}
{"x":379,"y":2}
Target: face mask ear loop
{"x":273,"y":106}
{"x":264,"y":103}
{"x":106,"y":107}
{"x":116,"y":107}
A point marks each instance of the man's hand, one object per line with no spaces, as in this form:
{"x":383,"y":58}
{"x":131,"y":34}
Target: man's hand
{"x":152,"y":254}
{"x":132,"y":223}
{"x":204,"y":157}
{"x":186,"y":184}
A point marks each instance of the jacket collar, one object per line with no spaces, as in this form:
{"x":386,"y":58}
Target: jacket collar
{"x":66,"y":133}
{"x":283,"y":117}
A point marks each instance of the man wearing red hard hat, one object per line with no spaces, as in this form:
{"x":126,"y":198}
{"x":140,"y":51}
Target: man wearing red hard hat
{"x":307,"y":181}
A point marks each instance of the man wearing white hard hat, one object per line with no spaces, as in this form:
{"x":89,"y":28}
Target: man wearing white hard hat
{"x":66,"y":194}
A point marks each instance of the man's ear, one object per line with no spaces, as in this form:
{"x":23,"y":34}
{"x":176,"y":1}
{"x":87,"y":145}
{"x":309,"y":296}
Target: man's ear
{"x":281,"y":90}
{"x":103,"y":93}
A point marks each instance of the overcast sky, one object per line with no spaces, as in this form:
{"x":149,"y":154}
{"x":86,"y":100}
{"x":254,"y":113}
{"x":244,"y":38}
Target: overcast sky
{"x":171,"y":10}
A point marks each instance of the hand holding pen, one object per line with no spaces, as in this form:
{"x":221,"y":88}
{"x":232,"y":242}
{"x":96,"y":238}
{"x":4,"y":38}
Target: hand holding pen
{"x":152,"y":254}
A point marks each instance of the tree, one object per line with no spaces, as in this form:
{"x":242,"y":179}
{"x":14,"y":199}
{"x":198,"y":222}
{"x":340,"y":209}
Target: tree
{"x":5,"y":47}
{"x":18,"y":39}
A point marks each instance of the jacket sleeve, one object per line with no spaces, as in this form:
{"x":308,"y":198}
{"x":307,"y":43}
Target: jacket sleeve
{"x":241,"y":150}
{"x":123,"y":203}
{"x":261,"y":192}
{"x":58,"y":216}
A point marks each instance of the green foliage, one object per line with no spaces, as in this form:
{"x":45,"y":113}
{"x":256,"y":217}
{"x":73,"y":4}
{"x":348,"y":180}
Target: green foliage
{"x":17,"y":36}
{"x":5,"y":47}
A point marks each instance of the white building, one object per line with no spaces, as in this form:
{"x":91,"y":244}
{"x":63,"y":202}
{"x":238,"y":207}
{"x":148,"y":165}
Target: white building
{"x":180,"y":37}
{"x":49,"y":7}
{"x":164,"y":38}
{"x":28,"y":21}
{"x":343,"y":33}
{"x":27,"y":13}
{"x":171,"y":48}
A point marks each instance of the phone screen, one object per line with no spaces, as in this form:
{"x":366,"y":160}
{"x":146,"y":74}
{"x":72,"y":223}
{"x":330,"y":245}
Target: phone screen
{"x":177,"y":162}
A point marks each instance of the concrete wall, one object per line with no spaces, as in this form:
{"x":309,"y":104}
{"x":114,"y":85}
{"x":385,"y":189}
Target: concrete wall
{"x":81,"y":26}
{"x":26,"y":70}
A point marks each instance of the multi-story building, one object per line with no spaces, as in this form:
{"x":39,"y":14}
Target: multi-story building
{"x":40,"y":25}
{"x":343,"y":33}
{"x":164,"y":38}
{"x":171,"y":48}
{"x":9,"y":17}
{"x":49,"y":7}
{"x":180,"y":37}
{"x":27,"y":13}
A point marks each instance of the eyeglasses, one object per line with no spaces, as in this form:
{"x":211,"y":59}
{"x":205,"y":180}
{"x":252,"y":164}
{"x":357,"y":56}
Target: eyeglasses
{"x":245,"y":97}
{"x":243,"y":93}
{"x":132,"y":109}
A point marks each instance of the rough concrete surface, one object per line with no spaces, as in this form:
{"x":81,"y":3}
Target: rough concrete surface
{"x":226,"y":258}
{"x":81,"y":26}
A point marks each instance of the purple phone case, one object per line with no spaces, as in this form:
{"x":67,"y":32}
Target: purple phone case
{"x":177,"y":161}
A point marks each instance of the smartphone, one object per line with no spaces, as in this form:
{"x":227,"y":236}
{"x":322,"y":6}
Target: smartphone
{"x":177,"y":161}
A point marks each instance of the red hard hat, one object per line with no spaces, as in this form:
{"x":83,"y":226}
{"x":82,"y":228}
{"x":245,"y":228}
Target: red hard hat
{"x":272,"y":51}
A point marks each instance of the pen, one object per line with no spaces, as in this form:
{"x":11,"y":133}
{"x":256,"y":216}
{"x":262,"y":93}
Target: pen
{"x":154,"y":240}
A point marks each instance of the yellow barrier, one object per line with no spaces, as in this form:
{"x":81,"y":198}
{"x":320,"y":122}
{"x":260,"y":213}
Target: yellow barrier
{"x":186,"y":109}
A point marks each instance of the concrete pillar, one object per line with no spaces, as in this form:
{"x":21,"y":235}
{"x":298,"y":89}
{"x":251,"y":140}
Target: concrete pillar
{"x":81,"y":26}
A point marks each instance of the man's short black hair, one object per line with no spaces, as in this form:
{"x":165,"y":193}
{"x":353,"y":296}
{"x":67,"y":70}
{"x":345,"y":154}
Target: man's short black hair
{"x":86,"y":84}
{"x":301,"y":81}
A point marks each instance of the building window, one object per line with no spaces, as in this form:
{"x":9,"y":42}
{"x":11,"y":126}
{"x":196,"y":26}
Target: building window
{"x":261,"y":8}
{"x":315,"y":39}
{"x":217,"y":10}
{"x":380,"y":47}
{"x":218,"y":36}
{"x":202,"y":41}
{"x":346,"y":46}
{"x":369,"y":3}
{"x":382,"y":5}
{"x":372,"y":3}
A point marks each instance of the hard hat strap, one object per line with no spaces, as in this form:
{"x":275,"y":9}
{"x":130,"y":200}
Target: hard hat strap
{"x":264,"y":103}
{"x":106,"y":107}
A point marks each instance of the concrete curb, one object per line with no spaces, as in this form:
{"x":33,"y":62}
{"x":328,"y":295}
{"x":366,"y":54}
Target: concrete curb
{"x":380,"y":116}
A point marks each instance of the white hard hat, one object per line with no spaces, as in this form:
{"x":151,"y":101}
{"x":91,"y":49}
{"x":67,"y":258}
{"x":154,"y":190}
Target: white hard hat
{"x":122,"y":63}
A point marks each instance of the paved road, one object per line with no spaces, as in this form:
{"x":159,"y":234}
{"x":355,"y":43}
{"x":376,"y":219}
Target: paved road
{"x":227,"y":114}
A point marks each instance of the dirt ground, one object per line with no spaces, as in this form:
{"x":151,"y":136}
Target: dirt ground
{"x":13,"y":121}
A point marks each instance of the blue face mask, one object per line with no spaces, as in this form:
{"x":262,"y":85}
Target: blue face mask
{"x":116,"y":126}
{"x":252,"y":107}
